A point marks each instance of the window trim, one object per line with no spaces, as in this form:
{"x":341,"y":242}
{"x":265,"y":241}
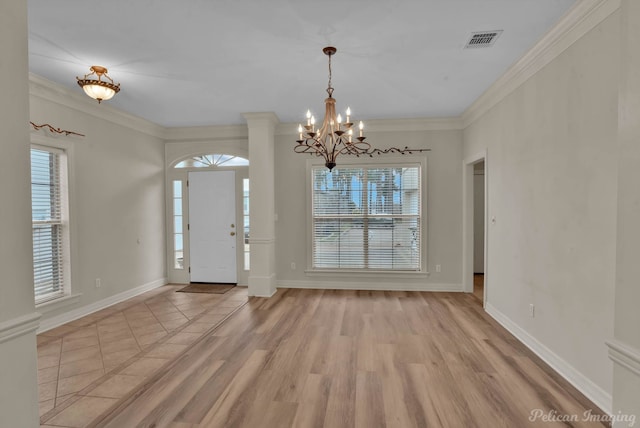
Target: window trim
{"x":354,"y":162}
{"x":63,"y":146}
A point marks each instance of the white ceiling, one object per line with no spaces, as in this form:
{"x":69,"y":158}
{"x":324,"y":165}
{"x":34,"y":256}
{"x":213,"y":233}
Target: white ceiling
{"x":199,"y":62}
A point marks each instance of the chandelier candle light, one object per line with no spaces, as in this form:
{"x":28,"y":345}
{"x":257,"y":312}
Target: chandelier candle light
{"x":335,"y":137}
{"x":98,"y":89}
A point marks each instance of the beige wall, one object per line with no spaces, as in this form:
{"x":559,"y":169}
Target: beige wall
{"x":443,"y":198}
{"x":626,"y":390}
{"x":117,"y":196}
{"x":18,"y":383}
{"x":442,"y":211}
{"x":552,"y":166}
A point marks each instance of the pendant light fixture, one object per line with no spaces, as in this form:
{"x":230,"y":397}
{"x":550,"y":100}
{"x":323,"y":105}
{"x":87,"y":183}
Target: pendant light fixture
{"x":97,"y":88}
{"x":336,"y":137}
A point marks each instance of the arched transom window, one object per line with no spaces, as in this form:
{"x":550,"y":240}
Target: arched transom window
{"x":207,"y":161}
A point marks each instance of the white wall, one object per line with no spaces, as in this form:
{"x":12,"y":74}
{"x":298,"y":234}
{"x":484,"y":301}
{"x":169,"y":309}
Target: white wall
{"x":18,"y":383}
{"x":552,"y":166}
{"x":443,"y":210}
{"x":117,"y":195}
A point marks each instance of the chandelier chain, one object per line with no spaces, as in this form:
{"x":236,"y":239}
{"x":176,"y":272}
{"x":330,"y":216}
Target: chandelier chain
{"x":329,"y":88}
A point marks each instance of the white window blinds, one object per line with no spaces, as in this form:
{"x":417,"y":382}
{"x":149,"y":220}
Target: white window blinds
{"x":366,"y":218}
{"x":46,"y":206}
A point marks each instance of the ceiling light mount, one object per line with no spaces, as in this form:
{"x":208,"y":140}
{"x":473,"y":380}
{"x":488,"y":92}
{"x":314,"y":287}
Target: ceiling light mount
{"x":97,"y":88}
{"x":335,"y":137}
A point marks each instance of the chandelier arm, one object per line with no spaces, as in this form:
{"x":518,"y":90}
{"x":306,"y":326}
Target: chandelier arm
{"x":406,"y":150}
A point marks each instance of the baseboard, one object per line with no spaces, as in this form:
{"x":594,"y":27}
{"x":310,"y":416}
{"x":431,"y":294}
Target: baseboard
{"x":592,"y":391}
{"x":382,"y":286}
{"x":58,"y":320}
{"x":19,"y":326}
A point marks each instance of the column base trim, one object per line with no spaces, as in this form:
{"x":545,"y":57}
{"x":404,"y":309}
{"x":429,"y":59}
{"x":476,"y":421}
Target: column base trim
{"x":19,"y":326}
{"x":625,"y":356}
{"x":262,"y":286}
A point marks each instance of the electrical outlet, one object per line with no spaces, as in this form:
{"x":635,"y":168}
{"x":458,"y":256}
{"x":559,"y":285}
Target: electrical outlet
{"x":98,"y":283}
{"x":532,"y":310}
{"x":293,"y":265}
{"x":438,"y":268}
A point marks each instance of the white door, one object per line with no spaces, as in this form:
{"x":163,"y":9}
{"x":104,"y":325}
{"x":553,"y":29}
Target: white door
{"x":212,"y":226}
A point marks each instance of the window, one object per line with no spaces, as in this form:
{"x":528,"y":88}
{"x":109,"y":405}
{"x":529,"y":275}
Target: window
{"x":206,"y":161}
{"x":245,"y":217}
{"x":49,"y":209}
{"x":366,"y":218}
{"x":178,"y":234}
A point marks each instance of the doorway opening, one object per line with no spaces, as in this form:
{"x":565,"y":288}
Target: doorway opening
{"x":475,"y":239}
{"x":478,"y":230}
{"x":212,"y":227}
{"x":210,"y":208}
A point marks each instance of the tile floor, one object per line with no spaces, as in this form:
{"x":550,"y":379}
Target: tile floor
{"x":86,"y":366}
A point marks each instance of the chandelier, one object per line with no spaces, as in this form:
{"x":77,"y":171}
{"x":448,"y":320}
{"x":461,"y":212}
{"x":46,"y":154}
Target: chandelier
{"x":98,"y":89}
{"x":335,"y":137}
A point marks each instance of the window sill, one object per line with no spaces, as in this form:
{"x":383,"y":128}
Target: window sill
{"x":60,"y":302}
{"x":371,"y":274}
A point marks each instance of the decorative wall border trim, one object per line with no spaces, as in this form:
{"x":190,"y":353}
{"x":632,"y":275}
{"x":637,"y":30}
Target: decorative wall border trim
{"x":19,"y":326}
{"x":54,"y":130}
{"x":599,"y":396}
{"x":625,"y":355}
{"x":74,"y":314}
{"x":368,"y":286}
{"x":578,"y":21}
{"x":40,"y":87}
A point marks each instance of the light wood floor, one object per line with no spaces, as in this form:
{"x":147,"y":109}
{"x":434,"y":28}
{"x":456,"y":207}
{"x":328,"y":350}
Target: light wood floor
{"x":478,"y":286}
{"x":323,"y":358}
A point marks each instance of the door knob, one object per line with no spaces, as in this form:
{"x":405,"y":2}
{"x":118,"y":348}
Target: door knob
{"x":233,"y":225}
{"x":232,"y":234}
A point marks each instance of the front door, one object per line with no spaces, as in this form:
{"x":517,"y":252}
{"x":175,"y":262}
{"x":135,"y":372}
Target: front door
{"x":212,"y":226}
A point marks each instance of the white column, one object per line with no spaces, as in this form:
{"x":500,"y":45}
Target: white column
{"x":18,"y":320}
{"x":624,"y":350}
{"x":262,"y":275}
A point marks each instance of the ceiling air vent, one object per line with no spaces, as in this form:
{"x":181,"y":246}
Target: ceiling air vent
{"x":482,"y":39}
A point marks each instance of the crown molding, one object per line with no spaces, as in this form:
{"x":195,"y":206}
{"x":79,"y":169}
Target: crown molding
{"x":267,"y":116}
{"x":42,"y":88}
{"x":578,"y":21}
{"x":392,"y":125}
{"x":206,"y":133}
